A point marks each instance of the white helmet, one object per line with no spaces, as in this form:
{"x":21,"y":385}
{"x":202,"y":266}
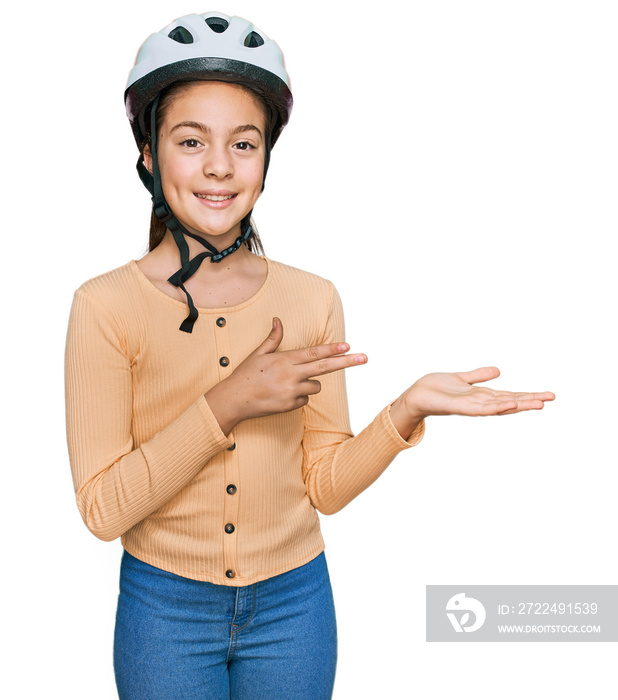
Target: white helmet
{"x":212,"y":46}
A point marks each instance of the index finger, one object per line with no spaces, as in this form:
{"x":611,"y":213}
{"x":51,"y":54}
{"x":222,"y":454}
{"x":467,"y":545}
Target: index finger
{"x":317,"y":352}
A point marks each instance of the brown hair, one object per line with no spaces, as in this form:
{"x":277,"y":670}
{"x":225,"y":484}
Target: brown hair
{"x":157,"y":227}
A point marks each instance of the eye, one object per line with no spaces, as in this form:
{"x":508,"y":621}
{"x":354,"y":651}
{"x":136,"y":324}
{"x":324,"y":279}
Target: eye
{"x":190,"y":143}
{"x":244,"y":146}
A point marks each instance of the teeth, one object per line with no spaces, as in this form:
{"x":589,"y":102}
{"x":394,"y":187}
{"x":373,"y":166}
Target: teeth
{"x":214,"y":198}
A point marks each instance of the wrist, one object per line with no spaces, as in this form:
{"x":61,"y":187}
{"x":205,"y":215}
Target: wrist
{"x":411,"y":405}
{"x":223,"y":407}
{"x":405,"y":417}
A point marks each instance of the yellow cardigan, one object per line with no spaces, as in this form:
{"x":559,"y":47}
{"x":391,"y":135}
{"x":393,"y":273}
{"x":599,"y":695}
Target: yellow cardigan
{"x":149,"y":460}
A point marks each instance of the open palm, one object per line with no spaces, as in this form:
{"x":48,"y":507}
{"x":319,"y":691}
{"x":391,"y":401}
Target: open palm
{"x":454,"y":393}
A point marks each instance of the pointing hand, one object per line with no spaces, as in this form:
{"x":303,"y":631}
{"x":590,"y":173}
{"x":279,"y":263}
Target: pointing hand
{"x":269,"y":381}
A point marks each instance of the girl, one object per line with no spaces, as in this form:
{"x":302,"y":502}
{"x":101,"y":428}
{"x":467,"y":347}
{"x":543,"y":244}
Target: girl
{"x":206,"y":409}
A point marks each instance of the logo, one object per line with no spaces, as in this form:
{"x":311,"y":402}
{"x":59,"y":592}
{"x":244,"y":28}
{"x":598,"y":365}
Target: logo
{"x":460,"y":604}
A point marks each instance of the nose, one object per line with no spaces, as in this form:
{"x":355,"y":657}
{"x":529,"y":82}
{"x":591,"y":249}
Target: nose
{"x":218,"y":162}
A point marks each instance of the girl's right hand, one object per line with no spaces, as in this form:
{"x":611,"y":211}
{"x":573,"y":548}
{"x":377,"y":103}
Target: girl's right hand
{"x":269,"y":382}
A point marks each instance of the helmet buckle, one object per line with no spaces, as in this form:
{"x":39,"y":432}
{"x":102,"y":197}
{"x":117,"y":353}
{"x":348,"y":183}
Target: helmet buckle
{"x":161,"y":211}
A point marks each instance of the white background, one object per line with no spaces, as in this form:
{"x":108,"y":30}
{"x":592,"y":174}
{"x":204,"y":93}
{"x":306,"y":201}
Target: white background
{"x":452,"y":166}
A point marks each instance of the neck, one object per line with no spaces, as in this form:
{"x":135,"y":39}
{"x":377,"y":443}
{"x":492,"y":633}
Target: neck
{"x":168,"y":249}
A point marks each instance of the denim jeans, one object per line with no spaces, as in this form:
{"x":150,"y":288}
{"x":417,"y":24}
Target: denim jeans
{"x":179,"y":638}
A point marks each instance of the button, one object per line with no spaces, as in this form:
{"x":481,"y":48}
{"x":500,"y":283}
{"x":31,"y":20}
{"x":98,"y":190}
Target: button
{"x":221,"y":322}
{"x":233,"y":447}
{"x":231,"y":489}
{"x":230,"y":573}
{"x":229,"y":528}
{"x":224,"y":361}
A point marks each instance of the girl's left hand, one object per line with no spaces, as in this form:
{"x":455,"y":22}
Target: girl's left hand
{"x":442,"y":394}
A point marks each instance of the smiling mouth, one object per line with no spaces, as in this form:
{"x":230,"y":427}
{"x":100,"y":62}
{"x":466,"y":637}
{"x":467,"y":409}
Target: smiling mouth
{"x":215,"y":197}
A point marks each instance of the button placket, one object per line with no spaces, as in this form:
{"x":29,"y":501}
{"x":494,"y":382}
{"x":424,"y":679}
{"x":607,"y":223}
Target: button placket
{"x":231,"y":500}
{"x":229,"y":525}
{"x":222,"y":345}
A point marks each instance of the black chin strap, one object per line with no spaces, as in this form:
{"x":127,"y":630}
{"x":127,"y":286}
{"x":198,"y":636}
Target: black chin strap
{"x":189,"y":268}
{"x":162,"y":211}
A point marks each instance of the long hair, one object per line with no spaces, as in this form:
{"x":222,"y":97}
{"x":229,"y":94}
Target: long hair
{"x":157,"y":227}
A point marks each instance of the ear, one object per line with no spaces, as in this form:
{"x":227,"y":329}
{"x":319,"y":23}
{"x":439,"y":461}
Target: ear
{"x":147,"y":156}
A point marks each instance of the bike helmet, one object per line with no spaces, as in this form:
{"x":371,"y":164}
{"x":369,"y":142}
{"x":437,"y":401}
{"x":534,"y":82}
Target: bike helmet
{"x":212,"y":46}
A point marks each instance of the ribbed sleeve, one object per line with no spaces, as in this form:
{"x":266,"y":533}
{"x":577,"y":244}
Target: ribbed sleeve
{"x":150,"y":463}
{"x":349,"y":468}
{"x":338,"y":466}
{"x":117,"y":483}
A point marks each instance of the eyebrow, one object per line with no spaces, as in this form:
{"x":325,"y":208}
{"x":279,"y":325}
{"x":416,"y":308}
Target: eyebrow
{"x":207,"y":130}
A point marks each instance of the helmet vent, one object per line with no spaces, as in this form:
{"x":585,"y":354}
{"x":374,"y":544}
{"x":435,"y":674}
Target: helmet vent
{"x":253,"y":40}
{"x":181,"y":35}
{"x":217,"y":24}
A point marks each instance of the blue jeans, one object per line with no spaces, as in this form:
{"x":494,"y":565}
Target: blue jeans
{"x":179,"y":638}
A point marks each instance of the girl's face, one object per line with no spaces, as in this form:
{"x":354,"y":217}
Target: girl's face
{"x":211,"y":153}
